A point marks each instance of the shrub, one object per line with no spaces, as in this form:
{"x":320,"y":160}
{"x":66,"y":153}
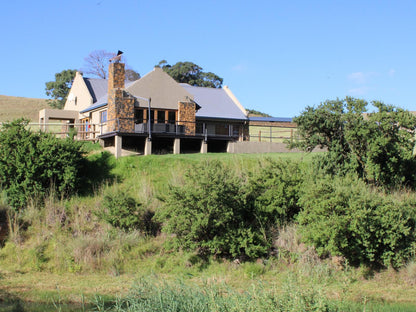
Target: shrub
{"x":343,"y":216}
{"x":123,"y":212}
{"x":209,"y":213}
{"x":32,"y":163}
{"x":274,"y":191}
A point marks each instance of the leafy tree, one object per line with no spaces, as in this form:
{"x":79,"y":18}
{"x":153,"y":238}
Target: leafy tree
{"x":208,"y":212}
{"x":378,"y":146}
{"x":96,"y":64}
{"x":190,"y":73}
{"x":253,"y":112}
{"x":32,"y":164}
{"x":59,"y":88}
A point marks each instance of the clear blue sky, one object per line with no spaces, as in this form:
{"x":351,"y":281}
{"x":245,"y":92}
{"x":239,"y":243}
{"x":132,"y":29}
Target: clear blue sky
{"x":276,"y":56}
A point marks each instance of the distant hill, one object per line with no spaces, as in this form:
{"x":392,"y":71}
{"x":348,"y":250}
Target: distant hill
{"x":12,"y":107}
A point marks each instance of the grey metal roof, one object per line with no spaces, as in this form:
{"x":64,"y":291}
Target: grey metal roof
{"x":270,"y":119}
{"x":97,"y":87}
{"x":100,"y":103}
{"x":215,"y":103}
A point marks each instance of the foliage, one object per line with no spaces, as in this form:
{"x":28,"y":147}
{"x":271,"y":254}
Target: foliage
{"x":59,"y":88}
{"x":343,"y":216}
{"x":123,"y":212}
{"x":253,"y":112}
{"x":209,"y":212}
{"x":378,"y":146}
{"x":274,"y":190}
{"x":31,"y":164}
{"x":151,"y":295}
{"x":192,"y":74}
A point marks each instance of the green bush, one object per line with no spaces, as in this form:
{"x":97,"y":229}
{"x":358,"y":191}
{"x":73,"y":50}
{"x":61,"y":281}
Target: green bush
{"x":274,"y":191}
{"x":33,"y":163}
{"x":343,"y":216}
{"x":209,"y":212}
{"x":124,"y":212}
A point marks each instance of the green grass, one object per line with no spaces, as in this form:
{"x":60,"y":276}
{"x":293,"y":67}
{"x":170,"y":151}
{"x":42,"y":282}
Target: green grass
{"x":83,"y":257}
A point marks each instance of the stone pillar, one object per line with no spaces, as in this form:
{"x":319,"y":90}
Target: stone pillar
{"x":148,"y":147}
{"x":230,"y":147}
{"x":186,"y":117}
{"x":120,"y":109}
{"x":204,"y":147}
{"x":177,"y":146}
{"x":118,"y":143}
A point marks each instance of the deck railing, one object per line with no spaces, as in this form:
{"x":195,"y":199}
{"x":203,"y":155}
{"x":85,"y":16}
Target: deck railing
{"x":90,"y":131}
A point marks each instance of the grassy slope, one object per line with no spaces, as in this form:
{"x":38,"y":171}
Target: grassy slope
{"x":116,"y":269}
{"x":12,"y":107}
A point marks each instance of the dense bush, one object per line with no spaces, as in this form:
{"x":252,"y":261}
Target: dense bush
{"x":343,"y":216}
{"x":209,"y":212}
{"x":124,"y":212}
{"x":33,"y":163}
{"x":274,"y":191}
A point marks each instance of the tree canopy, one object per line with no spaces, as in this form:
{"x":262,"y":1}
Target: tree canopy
{"x":58,"y":89}
{"x":192,"y":74}
{"x":378,"y":145}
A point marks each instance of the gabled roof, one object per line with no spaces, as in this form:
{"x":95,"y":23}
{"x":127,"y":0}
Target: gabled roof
{"x":215,"y":103}
{"x":164,"y":91}
{"x":97,"y":87}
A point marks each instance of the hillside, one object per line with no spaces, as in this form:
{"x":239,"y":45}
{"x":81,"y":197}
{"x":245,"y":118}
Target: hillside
{"x":12,"y":107}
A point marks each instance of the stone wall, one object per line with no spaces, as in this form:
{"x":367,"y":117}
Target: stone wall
{"x":186,"y":117}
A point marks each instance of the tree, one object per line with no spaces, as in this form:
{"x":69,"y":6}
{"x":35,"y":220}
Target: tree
{"x":96,"y":64}
{"x":59,"y":88}
{"x":190,"y":73}
{"x":378,"y":146}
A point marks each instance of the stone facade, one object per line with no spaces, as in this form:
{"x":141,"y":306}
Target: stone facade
{"x":186,"y":117}
{"x":120,"y":109}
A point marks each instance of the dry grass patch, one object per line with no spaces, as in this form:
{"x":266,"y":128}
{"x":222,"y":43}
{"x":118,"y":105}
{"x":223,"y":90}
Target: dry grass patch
{"x":12,"y":107}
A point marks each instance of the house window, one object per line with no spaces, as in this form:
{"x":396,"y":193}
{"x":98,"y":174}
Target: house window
{"x":171,"y":117}
{"x":103,"y":116}
{"x":138,"y":116}
{"x":160,"y":116}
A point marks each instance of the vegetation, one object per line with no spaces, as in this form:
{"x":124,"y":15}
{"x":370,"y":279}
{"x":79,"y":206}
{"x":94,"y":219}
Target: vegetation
{"x":290,"y":232}
{"x":253,"y":112}
{"x":31,"y":164}
{"x":190,"y":73}
{"x":96,"y":64}
{"x":12,"y":107}
{"x":377,"y":146}
{"x":58,"y":90}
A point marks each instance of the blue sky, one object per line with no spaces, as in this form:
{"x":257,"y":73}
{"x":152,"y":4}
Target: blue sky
{"x":276,"y":56}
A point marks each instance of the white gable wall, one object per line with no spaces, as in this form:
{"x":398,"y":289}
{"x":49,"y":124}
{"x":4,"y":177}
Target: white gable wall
{"x":79,"y":97}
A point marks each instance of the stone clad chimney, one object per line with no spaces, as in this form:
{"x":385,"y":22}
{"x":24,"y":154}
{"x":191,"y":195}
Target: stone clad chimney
{"x":120,"y":104}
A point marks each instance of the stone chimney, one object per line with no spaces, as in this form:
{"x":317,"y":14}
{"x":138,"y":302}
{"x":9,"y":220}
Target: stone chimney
{"x":120,"y":109}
